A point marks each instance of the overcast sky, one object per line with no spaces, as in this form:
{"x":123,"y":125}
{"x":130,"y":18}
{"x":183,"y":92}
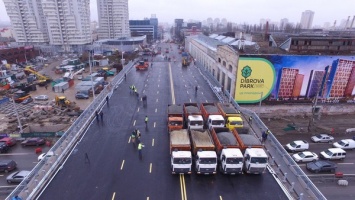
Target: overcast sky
{"x":240,"y":11}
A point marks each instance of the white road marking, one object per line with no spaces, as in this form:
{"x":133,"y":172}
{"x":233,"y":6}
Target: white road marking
{"x":345,"y":163}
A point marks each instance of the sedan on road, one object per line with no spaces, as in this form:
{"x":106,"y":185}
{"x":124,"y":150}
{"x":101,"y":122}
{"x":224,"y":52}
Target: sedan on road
{"x":81,"y":96}
{"x":33,"y":142}
{"x":305,"y":156}
{"x":321,"y":166}
{"x":9,"y":141}
{"x":322,"y":138}
{"x":17,"y":177}
{"x":41,"y":98}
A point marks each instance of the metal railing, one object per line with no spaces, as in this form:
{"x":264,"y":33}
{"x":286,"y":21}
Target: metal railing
{"x":42,"y":173}
{"x":287,"y":160}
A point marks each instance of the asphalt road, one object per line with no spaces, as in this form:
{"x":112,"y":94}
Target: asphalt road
{"x":114,"y":170}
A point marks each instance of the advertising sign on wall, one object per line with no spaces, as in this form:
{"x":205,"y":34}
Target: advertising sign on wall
{"x":279,"y":77}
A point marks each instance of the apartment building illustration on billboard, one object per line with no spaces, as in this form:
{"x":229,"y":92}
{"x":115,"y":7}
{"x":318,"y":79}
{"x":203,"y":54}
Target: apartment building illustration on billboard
{"x":351,"y":84}
{"x":290,"y":83}
{"x":338,"y":79}
{"x":315,"y":83}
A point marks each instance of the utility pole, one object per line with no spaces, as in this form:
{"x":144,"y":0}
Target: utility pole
{"x":18,"y":118}
{"x":92,"y":82}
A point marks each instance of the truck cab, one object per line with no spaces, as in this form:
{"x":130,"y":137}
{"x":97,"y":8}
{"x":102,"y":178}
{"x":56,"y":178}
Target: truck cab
{"x":181,"y":162}
{"x":215,"y":121}
{"x":255,"y":160}
{"x":195,"y":122}
{"x":234,"y":122}
{"x":231,"y":161}
{"x":206,"y":162}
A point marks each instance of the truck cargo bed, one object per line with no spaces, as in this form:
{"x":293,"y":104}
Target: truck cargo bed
{"x":175,"y":109}
{"x":192,"y":109}
{"x":179,"y":140}
{"x":202,"y":140}
{"x":227,"y":138}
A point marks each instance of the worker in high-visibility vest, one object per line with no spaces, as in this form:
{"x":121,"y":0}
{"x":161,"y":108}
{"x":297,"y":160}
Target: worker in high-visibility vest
{"x":140,"y":146}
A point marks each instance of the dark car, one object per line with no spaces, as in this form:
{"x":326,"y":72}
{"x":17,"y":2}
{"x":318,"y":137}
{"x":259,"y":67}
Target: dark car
{"x":321,"y":166}
{"x":7,"y":165}
{"x":33,"y":142}
{"x":3,"y":147}
{"x":81,"y":96}
{"x":9,"y":141}
{"x":27,"y":101}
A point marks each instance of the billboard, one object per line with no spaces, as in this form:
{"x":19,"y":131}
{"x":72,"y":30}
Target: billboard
{"x":280,"y":77}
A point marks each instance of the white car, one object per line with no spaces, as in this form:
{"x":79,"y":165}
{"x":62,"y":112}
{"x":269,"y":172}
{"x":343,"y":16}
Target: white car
{"x":322,"y":138}
{"x":297,"y":145}
{"x":305,"y":156}
{"x":45,"y":155}
{"x":345,"y":144}
{"x":41,"y":98}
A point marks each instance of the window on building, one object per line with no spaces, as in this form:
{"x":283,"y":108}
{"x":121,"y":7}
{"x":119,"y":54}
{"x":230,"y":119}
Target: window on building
{"x":219,"y":60}
{"x":229,"y":83}
{"x":230,"y":68}
{"x":224,"y":63}
{"x":218,"y":73}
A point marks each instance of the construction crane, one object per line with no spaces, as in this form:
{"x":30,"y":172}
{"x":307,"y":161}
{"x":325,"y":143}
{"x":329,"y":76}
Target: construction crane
{"x":42,"y":80}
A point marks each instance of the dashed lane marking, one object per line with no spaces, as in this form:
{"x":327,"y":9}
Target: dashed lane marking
{"x":156,"y":110}
{"x":150,"y":168}
{"x":138,"y":109}
{"x":134,"y":123}
{"x":113,"y":196}
{"x":153,"y":142}
{"x":154,"y":125}
{"x":122,"y":164}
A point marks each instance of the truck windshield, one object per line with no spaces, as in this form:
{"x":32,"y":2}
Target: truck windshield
{"x":196,"y":123}
{"x":175,"y":123}
{"x":217,"y":122}
{"x":208,"y":160}
{"x":236,"y":123}
{"x":182,"y":160}
{"x":234,"y":160}
{"x":258,"y":160}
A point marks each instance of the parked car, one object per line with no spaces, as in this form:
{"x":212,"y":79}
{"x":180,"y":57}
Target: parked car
{"x":45,"y":155}
{"x":41,"y":98}
{"x":17,"y":177}
{"x":322,"y":138}
{"x":305,"y":156}
{"x":297,"y":145}
{"x":321,"y":166}
{"x":3,"y":147}
{"x":333,"y":153}
{"x":7,"y":165}
{"x":27,"y":101}
{"x":9,"y":141}
{"x":81,"y":96}
{"x":345,"y":144}
{"x":33,"y":142}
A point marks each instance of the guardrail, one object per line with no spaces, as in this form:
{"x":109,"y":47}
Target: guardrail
{"x":42,"y":173}
{"x":286,"y":160}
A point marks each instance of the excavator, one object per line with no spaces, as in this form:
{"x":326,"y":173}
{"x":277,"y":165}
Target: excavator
{"x":42,"y":79}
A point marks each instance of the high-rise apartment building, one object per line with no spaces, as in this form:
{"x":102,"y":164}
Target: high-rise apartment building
{"x":28,"y":21}
{"x":113,"y":19}
{"x":68,"y":22}
{"x":307,"y":19}
{"x":64,"y":23}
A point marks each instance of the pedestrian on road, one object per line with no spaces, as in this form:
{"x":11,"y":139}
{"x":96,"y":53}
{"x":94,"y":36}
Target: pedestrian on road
{"x":87,"y":160}
{"x":102,"y":116}
{"x":138,"y":133}
{"x":97,"y":116}
{"x":107,"y":100}
{"x":46,"y":86}
{"x":140,"y":146}
{"x":196,"y":88}
{"x":125,"y":76}
{"x":144,"y":99}
{"x":250,"y":119}
{"x":133,"y":137}
{"x":264,"y":136}
{"x":62,"y":90}
{"x":146,"y":121}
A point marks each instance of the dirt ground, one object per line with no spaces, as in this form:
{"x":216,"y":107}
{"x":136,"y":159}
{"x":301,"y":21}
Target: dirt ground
{"x":326,"y":122}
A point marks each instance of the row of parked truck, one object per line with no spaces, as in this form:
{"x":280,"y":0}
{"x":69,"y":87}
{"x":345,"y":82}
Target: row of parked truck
{"x":234,"y":149}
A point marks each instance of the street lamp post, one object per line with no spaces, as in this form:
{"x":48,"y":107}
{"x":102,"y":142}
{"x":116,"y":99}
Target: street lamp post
{"x":18,"y":118}
{"x":92,"y":82}
{"x":311,"y":120}
{"x":261,"y":98}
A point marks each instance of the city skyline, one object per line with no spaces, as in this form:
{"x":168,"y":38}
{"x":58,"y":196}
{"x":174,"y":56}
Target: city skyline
{"x":238,"y":12}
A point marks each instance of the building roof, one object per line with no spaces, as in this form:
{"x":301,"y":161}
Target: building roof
{"x":228,"y":40}
{"x":213,"y":35}
{"x":208,"y":42}
{"x":220,"y":37}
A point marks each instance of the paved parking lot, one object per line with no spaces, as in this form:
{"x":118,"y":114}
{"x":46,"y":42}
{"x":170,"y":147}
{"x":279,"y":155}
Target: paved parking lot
{"x":326,"y":182}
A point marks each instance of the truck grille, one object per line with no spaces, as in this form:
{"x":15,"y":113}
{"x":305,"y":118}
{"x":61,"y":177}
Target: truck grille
{"x":181,"y":171}
{"x":207,"y":171}
{"x":233,"y":170}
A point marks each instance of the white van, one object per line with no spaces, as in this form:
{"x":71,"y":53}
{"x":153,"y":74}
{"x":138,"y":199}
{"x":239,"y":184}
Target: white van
{"x":333,"y":154}
{"x":345,"y":144}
